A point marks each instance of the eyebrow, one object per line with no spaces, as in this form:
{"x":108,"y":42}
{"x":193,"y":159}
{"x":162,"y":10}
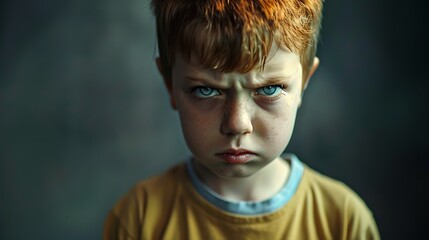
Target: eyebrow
{"x":202,"y":80}
{"x":195,"y":79}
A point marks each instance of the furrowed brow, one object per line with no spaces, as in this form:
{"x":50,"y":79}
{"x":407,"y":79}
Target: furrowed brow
{"x":194,"y":79}
{"x":204,"y":81}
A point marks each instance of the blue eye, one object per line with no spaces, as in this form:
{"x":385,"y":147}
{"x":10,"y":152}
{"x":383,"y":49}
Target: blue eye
{"x":272,"y":90}
{"x":205,"y":92}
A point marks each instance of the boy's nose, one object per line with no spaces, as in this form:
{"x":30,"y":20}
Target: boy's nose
{"x":237,"y":119}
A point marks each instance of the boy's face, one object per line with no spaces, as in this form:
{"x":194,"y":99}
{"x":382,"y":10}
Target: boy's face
{"x":234,"y":123}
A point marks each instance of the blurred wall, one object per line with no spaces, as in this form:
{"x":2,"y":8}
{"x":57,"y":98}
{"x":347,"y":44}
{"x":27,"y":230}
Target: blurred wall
{"x":84,"y":113}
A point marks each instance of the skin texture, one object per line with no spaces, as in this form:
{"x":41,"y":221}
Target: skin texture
{"x":224,"y":111}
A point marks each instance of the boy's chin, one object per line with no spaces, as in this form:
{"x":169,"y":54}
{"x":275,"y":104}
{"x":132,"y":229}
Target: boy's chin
{"x":235,"y":172}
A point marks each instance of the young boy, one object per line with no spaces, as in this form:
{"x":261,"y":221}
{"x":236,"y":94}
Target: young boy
{"x":235,"y":71}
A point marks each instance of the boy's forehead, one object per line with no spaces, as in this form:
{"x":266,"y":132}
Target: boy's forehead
{"x":279,"y":59}
{"x":281,"y":63}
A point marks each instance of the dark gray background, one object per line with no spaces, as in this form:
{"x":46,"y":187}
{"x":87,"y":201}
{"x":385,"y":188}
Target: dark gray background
{"x":84,"y":113}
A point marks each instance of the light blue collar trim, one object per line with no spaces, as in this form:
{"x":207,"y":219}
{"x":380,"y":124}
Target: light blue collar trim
{"x":250,"y":207}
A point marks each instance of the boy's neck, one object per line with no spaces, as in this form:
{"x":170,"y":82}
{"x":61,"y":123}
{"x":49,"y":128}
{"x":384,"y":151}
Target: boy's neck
{"x":260,"y":186}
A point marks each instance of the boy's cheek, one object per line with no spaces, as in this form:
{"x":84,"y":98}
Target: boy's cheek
{"x":197,"y":121}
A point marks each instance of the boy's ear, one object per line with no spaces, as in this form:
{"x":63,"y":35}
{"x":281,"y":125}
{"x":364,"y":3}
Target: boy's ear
{"x":313,"y":68}
{"x":168,"y":83}
{"x":316,"y":62}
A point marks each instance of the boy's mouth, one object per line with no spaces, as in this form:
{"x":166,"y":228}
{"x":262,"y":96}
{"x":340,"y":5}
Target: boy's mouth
{"x":236,"y":156}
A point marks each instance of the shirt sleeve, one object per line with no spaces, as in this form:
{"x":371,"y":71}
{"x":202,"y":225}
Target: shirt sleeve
{"x":359,"y":221}
{"x":124,"y":221}
{"x":113,"y":229}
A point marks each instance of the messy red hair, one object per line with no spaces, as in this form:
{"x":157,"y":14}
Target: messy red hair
{"x":235,"y":35}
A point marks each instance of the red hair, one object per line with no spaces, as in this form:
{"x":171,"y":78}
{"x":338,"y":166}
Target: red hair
{"x":235,"y":35}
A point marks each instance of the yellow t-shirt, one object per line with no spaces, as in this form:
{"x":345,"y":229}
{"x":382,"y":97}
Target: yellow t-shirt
{"x":169,"y":207}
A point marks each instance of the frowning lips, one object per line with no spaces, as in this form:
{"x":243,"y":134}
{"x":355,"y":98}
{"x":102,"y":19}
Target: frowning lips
{"x":236,"y":156}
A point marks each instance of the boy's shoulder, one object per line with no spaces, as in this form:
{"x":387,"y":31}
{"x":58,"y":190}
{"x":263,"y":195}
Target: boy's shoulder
{"x":129,"y":213}
{"x":157,"y":187}
{"x":337,"y":204}
{"x":167,"y":179}
{"x":325,"y":183}
{"x":330,"y":189}
{"x":161,"y":185}
{"x":316,"y":186}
